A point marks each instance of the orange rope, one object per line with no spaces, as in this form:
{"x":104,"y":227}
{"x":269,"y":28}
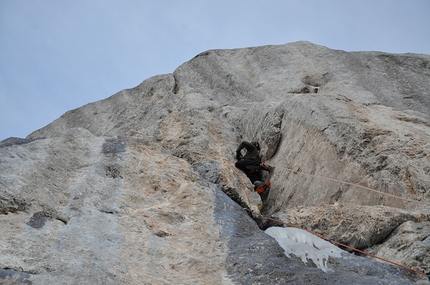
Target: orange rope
{"x":359,"y":186}
{"x":335,"y":242}
{"x":349,"y":247}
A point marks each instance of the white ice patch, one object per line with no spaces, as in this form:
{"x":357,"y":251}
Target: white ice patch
{"x":305,"y":245}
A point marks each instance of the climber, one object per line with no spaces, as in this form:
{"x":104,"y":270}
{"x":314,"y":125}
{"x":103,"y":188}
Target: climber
{"x":252,"y":166}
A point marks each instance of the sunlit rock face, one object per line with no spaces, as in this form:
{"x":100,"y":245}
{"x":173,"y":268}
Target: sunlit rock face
{"x":141,"y":188}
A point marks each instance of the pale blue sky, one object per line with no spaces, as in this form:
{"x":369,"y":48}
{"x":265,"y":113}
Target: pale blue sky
{"x":59,"y":55}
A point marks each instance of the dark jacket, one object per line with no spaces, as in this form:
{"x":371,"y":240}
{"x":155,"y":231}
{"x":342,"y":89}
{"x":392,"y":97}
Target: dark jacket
{"x":251,"y":151}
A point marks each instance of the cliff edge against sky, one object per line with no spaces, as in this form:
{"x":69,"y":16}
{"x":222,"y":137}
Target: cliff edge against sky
{"x":141,"y":188}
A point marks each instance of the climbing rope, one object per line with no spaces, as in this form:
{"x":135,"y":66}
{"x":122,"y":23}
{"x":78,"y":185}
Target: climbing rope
{"x":331,"y":240}
{"x":339,"y":181}
{"x":357,"y":185}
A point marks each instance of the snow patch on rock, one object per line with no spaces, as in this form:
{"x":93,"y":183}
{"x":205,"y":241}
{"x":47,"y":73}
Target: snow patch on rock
{"x":305,"y":245}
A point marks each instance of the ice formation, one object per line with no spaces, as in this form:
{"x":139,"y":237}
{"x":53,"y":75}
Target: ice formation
{"x":305,"y":245}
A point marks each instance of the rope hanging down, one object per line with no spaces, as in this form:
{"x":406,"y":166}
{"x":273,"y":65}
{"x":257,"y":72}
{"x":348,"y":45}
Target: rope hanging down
{"x":351,"y":248}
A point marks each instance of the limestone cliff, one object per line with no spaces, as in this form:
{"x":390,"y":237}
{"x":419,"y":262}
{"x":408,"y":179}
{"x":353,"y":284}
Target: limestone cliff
{"x":141,"y":188}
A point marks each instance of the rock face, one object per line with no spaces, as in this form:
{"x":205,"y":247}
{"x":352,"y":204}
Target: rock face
{"x":141,"y":188}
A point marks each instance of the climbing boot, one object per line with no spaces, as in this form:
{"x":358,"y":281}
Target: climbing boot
{"x":258,"y":184}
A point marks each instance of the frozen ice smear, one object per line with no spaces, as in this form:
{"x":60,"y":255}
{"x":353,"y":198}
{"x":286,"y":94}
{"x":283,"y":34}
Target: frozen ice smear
{"x":305,"y":245}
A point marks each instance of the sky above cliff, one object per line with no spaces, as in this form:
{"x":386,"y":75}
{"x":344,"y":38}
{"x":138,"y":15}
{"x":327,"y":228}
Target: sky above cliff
{"x":59,"y":55}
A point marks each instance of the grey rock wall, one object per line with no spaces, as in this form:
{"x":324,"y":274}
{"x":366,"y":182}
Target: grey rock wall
{"x":132,"y":189}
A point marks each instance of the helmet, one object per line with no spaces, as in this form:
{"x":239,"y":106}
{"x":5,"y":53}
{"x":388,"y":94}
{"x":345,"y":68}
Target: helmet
{"x":256,"y":144}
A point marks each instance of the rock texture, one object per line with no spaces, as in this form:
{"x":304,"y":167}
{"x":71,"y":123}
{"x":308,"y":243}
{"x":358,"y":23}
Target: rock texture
{"x":141,"y":188}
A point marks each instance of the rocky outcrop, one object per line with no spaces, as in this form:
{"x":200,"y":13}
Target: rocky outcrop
{"x":132,"y":189}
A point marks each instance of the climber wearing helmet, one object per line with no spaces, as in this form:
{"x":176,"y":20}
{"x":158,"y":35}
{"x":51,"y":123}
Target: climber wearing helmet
{"x":252,"y":166}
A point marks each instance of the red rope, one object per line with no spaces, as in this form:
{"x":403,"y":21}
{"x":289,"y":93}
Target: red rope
{"x":349,"y":247}
{"x":335,"y":242}
{"x":359,"y":186}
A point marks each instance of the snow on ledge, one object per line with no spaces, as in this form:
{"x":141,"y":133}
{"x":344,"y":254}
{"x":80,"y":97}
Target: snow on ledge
{"x":305,"y":245}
